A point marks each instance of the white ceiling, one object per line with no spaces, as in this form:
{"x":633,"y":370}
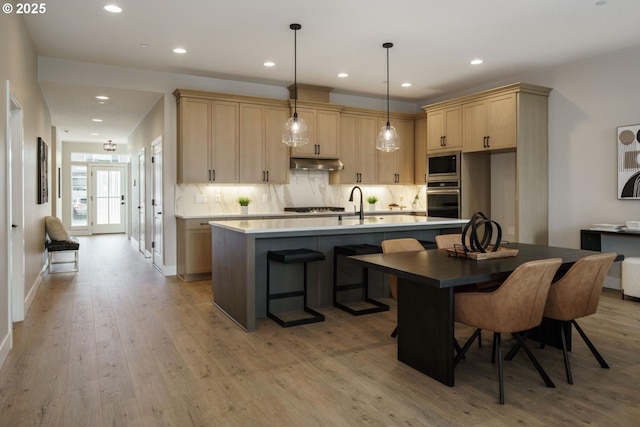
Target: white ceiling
{"x":434,"y":40}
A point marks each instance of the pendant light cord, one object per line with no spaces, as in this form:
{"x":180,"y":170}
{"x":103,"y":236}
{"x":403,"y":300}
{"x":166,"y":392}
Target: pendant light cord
{"x":295,"y":72}
{"x":388,"y":121}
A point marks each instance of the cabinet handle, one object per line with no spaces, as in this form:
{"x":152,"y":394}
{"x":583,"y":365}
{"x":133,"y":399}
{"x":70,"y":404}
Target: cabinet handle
{"x":484,"y":141}
{"x":214,"y":174}
{"x":444,"y":141}
{"x":267,"y":176}
{"x":425,"y":177}
{"x":488,"y":144}
{"x":204,"y":223}
{"x":209,"y":172}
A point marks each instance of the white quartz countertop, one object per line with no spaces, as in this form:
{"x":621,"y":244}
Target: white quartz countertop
{"x":348,"y":222}
{"x":268,"y":215}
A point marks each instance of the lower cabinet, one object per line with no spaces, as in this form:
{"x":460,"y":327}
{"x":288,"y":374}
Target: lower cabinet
{"x":194,"y":249}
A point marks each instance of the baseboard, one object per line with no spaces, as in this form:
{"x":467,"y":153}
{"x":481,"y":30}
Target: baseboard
{"x":5,"y":346}
{"x":34,"y":289}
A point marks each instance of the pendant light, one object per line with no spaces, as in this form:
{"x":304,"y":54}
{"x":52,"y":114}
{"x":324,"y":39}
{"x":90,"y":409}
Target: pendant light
{"x":294,"y":133}
{"x":388,"y":139}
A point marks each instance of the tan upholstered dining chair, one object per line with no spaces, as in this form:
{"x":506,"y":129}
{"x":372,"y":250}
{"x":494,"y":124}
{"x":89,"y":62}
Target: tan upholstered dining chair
{"x":576,"y":295}
{"x":517,"y":305}
{"x":399,"y":245}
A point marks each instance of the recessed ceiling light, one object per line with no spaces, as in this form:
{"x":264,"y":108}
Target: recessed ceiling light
{"x":343,"y":75}
{"x":406,"y":84}
{"x":102,"y":97}
{"x":144,"y":45}
{"x":269,"y":64}
{"x":94,"y":134}
{"x":113,"y":8}
{"x":601,"y":2}
{"x":180,"y":50}
{"x":96,"y":120}
{"x":476,"y":61}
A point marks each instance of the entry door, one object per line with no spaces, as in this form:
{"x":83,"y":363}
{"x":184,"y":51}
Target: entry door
{"x":15,"y":198}
{"x":156,"y":190}
{"x":108,"y":200}
{"x":141,"y":202}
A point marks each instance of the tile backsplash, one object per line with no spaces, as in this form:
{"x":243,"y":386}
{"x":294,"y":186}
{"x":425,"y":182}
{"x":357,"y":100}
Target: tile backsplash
{"x":305,"y":188}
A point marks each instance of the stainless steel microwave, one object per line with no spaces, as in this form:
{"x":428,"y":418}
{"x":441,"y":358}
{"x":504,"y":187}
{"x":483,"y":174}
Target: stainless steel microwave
{"x":443,"y":166}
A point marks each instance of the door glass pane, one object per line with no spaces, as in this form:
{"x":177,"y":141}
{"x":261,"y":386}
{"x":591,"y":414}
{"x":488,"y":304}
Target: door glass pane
{"x":108,"y":197}
{"x":78,"y":196}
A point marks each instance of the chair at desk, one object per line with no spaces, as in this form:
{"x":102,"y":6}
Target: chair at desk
{"x":517,"y":305}
{"x":399,"y":245}
{"x":577,"y":295}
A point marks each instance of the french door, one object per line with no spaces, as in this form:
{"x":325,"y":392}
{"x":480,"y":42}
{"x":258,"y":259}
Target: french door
{"x":108,"y":200}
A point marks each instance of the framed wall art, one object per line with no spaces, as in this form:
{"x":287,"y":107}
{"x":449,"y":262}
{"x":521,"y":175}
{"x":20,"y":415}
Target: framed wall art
{"x":43,"y":172}
{"x":629,"y":162}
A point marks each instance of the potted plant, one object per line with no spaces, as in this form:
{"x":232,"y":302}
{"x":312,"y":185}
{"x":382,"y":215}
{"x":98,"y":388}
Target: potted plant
{"x":244,"y":204}
{"x":372,"y":202}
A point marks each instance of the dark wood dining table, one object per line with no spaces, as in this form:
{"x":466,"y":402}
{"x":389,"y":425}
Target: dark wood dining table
{"x":426,"y":283}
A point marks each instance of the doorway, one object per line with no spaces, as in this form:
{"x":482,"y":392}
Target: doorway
{"x":108,"y":198}
{"x":156,"y":202}
{"x":15,"y":198}
{"x":142,"y":197}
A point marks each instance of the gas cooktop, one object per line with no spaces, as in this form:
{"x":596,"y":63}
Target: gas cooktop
{"x":315,"y":209}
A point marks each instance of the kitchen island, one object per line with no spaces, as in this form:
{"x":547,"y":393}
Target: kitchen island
{"x":239,"y":256}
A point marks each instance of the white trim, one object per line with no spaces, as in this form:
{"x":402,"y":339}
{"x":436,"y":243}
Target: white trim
{"x":34,"y":289}
{"x":169,"y":270}
{"x":5,"y":347}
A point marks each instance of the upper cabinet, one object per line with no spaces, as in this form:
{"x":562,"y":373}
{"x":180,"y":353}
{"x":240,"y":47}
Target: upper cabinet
{"x":323,"y":127}
{"x":444,"y":129}
{"x":216,"y":130}
{"x":420,"y":149}
{"x":265,"y":159}
{"x":207,"y":140}
{"x":397,"y":167}
{"x":490,"y":123}
{"x":357,"y":150}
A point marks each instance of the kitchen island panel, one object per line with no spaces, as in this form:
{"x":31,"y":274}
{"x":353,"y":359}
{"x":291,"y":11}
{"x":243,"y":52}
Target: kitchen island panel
{"x":239,"y":257}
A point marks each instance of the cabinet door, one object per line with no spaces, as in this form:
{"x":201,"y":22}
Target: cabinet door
{"x":475,"y":126}
{"x":366,"y":159}
{"x":453,"y":128}
{"x":404,"y":157}
{"x":224,"y":142}
{"x":501,"y":121}
{"x":420,"y":149}
{"x":307,"y":150}
{"x":194,"y":135}
{"x":347,"y":151}
{"x":198,"y":251}
{"x":435,"y":130}
{"x":327,"y":132}
{"x":276,"y":153}
{"x":252,"y":138}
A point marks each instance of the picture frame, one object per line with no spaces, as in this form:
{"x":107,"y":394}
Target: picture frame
{"x":628,"y":142}
{"x":43,"y":172}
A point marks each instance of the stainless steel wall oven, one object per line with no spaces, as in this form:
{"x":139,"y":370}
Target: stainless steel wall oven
{"x":443,"y":199}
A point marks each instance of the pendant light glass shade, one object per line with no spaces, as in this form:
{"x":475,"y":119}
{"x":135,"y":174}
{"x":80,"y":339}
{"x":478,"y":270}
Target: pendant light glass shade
{"x":295,"y":133}
{"x":388,"y":139}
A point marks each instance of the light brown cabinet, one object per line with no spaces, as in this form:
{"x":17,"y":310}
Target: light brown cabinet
{"x":265,"y":159}
{"x":357,"y":150}
{"x":194,"y":249}
{"x":397,"y":167}
{"x":444,"y":129}
{"x":207,"y":140}
{"x":323,"y":127}
{"x":490,"y":123}
{"x":420,"y":149}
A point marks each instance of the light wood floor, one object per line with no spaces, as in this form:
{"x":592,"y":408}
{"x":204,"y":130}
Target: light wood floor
{"x":117,"y":344}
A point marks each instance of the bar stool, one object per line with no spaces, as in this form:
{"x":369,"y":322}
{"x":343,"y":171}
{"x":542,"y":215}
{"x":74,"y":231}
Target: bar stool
{"x":349,"y":250}
{"x":293,"y":256}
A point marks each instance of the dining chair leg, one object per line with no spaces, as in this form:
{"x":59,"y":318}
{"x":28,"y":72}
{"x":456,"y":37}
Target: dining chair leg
{"x":466,"y":346}
{"x":498,"y":346}
{"x":516,"y":347}
{"x":493,"y":347}
{"x":534,"y":361}
{"x":394,"y":333}
{"x":565,"y":354}
{"x":589,"y":344}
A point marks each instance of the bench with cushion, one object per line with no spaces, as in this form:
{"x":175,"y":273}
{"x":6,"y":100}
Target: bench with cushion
{"x":58,"y":241}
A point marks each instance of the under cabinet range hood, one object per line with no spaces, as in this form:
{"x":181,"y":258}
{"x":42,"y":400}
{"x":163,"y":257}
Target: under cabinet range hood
{"x":301,"y":163}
